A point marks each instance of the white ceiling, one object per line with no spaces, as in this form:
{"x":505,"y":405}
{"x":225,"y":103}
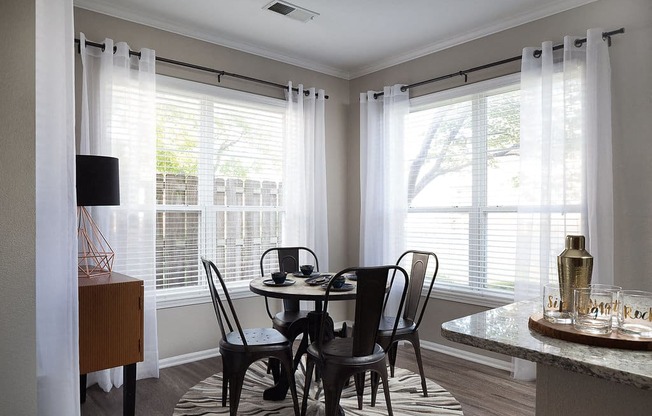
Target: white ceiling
{"x":348,"y":39}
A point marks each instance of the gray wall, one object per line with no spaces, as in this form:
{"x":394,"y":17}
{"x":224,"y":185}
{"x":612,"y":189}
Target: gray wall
{"x":631,"y":60}
{"x":96,"y":27}
{"x":632,"y":110}
{"x":632,"y":107}
{"x":17,"y":203}
{"x":175,"y":336}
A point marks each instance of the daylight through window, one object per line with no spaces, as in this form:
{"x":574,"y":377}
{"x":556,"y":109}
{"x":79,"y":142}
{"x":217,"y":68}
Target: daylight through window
{"x":218,"y":182}
{"x":462,"y":152}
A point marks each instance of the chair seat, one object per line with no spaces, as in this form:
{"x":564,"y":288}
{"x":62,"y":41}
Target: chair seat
{"x":242,"y":347}
{"x":286,"y":318}
{"x":341,"y":350}
{"x":386,"y":326}
{"x":254,"y":337}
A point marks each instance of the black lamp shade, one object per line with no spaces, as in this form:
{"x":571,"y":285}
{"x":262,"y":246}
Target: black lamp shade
{"x":98,"y":181}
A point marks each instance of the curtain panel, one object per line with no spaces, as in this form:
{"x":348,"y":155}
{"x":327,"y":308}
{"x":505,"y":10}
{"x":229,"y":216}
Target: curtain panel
{"x":305,"y":222}
{"x":119,"y":119}
{"x":383,"y":181}
{"x":57,"y":325}
{"x":566,"y":168}
{"x":383,"y":184}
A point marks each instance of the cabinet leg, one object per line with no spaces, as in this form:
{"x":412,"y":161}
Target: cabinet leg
{"x":129,"y":392}
{"x":82,"y":388}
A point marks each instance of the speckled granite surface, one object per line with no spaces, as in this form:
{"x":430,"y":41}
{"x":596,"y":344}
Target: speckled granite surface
{"x":504,"y":330}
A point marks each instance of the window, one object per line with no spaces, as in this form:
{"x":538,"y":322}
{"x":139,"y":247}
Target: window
{"x":462,"y":151}
{"x":219,"y":158}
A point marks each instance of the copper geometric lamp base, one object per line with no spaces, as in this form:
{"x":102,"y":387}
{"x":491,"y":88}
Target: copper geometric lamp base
{"x":98,"y":184}
{"x":95,"y":255}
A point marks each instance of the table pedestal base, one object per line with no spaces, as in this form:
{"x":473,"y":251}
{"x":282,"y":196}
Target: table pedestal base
{"x":279,"y":390}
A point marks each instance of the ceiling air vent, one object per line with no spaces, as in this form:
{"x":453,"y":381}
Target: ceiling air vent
{"x":291,"y":11}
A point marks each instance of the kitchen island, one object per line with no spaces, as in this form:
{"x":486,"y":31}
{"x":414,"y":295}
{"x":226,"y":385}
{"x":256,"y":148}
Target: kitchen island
{"x":572,"y":378}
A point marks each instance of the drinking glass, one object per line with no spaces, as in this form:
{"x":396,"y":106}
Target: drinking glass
{"x":593,"y":309}
{"x":635,"y":313}
{"x":615,"y":289}
{"x":552,"y":305}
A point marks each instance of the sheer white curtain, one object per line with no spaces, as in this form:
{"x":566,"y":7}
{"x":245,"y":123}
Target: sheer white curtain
{"x":57,"y":338}
{"x":304,"y":178}
{"x":119,"y":120}
{"x":566,"y":169}
{"x":383,"y":185}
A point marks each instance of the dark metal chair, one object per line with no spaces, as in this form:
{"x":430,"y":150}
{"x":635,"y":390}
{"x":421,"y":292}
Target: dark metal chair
{"x":340,"y":358}
{"x":240,"y":348}
{"x":292,"y":320}
{"x":406,"y":328}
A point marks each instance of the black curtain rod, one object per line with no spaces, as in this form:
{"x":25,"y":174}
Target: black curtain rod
{"x":464,"y":73}
{"x":219,"y":73}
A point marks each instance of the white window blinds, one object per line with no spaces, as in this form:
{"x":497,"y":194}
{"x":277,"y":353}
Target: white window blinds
{"x":218,"y":181}
{"x":462,"y":152}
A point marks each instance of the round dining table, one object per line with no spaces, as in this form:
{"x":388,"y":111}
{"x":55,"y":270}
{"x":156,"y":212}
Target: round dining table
{"x":300,"y":290}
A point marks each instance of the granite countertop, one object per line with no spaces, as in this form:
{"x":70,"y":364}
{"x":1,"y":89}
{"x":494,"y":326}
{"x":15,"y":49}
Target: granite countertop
{"x":505,"y":330}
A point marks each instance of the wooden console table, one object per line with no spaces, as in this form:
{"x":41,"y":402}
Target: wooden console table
{"x":111,"y":330}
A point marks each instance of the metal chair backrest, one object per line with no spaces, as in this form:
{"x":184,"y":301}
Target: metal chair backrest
{"x":289,"y":258}
{"x":369,"y":302}
{"x":289,"y":261}
{"x":418,"y":269}
{"x":224,"y":316}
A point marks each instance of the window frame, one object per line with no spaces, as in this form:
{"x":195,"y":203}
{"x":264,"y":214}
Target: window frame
{"x":473,"y":293}
{"x":198,"y":294}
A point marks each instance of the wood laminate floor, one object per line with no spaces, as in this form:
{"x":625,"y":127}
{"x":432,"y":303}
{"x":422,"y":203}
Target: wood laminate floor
{"x":482,"y":390}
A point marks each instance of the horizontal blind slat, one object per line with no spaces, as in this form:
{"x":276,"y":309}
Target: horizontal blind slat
{"x":462,"y":157}
{"x":215,"y":148}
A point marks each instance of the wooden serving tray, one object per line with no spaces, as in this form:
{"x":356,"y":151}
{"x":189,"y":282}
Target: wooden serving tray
{"x":566,"y":332}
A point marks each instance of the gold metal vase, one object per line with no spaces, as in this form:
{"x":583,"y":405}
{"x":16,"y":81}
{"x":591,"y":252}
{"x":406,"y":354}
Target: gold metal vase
{"x":575,"y":267}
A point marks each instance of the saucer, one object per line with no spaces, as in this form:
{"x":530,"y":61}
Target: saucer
{"x":345,"y":287}
{"x":318,"y":280}
{"x":299,"y":274}
{"x":351,"y":276}
{"x":270,"y":282}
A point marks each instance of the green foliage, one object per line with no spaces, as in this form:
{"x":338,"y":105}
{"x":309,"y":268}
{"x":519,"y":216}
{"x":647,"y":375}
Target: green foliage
{"x":503,"y":126}
{"x":446,"y":146}
{"x":174,"y":137}
{"x":177,"y":142}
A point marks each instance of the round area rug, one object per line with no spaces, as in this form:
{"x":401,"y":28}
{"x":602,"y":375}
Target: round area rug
{"x":205,"y":398}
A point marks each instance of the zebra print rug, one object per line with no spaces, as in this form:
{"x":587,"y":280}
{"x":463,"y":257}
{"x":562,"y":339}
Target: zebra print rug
{"x":405,"y":387}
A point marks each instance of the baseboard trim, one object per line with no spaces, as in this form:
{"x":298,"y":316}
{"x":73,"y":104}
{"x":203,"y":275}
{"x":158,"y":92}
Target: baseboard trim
{"x":466,"y":355}
{"x":188,"y":358}
{"x":426,"y":345}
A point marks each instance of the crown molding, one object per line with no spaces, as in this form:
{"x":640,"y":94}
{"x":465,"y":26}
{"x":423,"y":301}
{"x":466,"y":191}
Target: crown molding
{"x":132,"y":15}
{"x":508,"y":23}
{"x":135,"y":17}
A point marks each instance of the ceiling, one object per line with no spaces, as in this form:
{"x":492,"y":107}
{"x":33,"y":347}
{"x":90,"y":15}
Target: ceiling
{"x":348,"y":38}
